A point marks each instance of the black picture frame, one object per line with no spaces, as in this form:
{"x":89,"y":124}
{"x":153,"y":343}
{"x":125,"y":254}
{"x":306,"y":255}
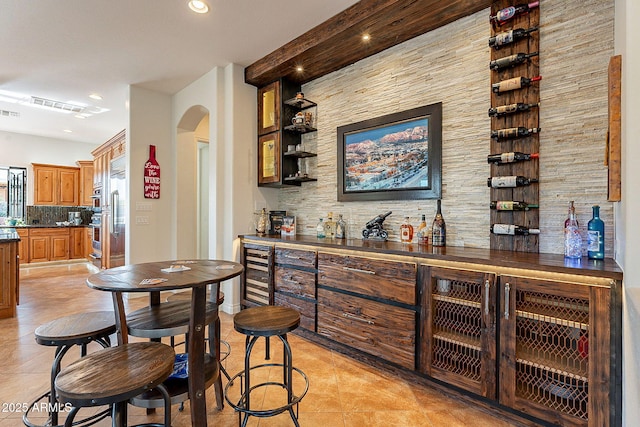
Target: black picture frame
{"x":384,"y":158}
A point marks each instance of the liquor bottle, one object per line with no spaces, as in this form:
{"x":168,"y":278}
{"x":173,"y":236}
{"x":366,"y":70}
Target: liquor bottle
{"x":513,"y":133}
{"x":422,"y":235}
{"x":504,"y":110}
{"x":320,"y":229}
{"x":406,"y":231}
{"x":261,"y":226}
{"x":330,"y":226}
{"x":513,"y":84}
{"x":438,"y":229}
{"x":511,"y":157}
{"x":341,"y":228}
{"x":595,"y":235}
{"x":508,"y":13}
{"x":513,"y":230}
{"x":509,"y":181}
{"x":572,"y":238}
{"x":511,"y":205}
{"x":571,"y":211}
{"x":508,"y":37}
{"x":510,"y":61}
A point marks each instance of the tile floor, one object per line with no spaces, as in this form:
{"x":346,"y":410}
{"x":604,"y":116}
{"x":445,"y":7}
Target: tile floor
{"x":342,"y":392}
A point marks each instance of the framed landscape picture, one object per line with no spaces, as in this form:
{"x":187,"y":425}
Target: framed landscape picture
{"x":393,"y":157}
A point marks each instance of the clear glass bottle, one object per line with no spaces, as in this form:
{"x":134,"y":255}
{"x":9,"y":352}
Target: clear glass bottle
{"x":422,"y":235}
{"x":572,"y":238}
{"x":330,"y":226}
{"x":438,"y":229}
{"x":263,"y":222}
{"x":406,"y":231}
{"x":595,"y":235}
{"x":341,"y":228}
{"x":320,"y":229}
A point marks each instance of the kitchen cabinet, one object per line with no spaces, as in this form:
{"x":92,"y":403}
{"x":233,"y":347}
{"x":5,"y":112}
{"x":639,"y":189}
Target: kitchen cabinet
{"x":49,"y":244}
{"x":369,"y":304}
{"x":86,"y":182}
{"x":56,"y":185}
{"x":295,"y":283}
{"x":88,"y":242}
{"x":23,"y":245}
{"x":458,"y":342}
{"x":522,"y":334}
{"x":282,"y":160}
{"x":9,"y":280}
{"x":76,"y":242}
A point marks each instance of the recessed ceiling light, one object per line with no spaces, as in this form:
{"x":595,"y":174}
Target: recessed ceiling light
{"x":68,"y":131}
{"x":366,"y":37}
{"x":299,"y":68}
{"x":80,"y":116}
{"x":198,"y":6}
{"x":95,"y":96}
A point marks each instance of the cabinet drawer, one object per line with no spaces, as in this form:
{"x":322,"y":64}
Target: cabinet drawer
{"x":302,"y":283}
{"x":62,"y":231}
{"x":391,"y":280}
{"x":307,"y":309}
{"x":379,"y":329}
{"x":296,"y":257}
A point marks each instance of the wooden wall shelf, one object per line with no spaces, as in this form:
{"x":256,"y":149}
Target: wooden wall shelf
{"x":337,"y":42}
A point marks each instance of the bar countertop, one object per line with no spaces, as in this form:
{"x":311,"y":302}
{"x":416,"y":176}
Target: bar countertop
{"x":9,"y":235}
{"x":607,"y":268}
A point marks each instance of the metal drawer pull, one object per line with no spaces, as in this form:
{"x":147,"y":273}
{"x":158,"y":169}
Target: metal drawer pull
{"x":357,"y":270}
{"x":359,"y":319}
{"x":487,"y":286}
{"x":507,"y":288}
{"x":292,"y":257}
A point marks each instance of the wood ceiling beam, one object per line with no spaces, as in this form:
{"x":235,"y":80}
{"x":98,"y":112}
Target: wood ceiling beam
{"x":337,"y":42}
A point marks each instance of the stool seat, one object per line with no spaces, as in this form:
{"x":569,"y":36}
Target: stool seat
{"x":166,"y":319}
{"x":115,"y":374}
{"x":186,"y":296}
{"x":266,"y":321}
{"x":76,"y":329}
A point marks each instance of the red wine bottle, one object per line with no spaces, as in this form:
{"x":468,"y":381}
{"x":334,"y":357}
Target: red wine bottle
{"x":513,"y":230}
{"x":511,"y":157}
{"x":508,"y":37}
{"x":510,"y":61}
{"x":504,"y":110}
{"x":509,"y":181}
{"x":513,"y":84}
{"x":508,"y":13}
{"x":511,"y":205}
{"x":513,"y":133}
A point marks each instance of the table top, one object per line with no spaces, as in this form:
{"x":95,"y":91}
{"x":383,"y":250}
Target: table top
{"x":139,"y":277}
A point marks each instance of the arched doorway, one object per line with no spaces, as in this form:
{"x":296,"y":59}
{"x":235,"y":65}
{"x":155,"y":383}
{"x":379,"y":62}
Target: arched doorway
{"x":193,"y":184}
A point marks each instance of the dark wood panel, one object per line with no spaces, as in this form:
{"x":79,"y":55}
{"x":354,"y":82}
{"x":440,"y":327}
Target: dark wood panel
{"x":382,"y":330}
{"x":307,"y":309}
{"x":391,"y":280}
{"x":337,"y":42}
{"x":297,"y":282}
{"x":614,"y":154}
{"x":301,"y":258}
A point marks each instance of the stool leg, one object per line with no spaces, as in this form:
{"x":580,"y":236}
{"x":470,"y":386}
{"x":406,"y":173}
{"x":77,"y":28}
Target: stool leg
{"x":267,"y":355}
{"x":69,"y":421}
{"x":119,"y":415}
{"x":247,"y":384}
{"x":55,"y":370}
{"x":167,"y":404}
{"x":288,"y":367}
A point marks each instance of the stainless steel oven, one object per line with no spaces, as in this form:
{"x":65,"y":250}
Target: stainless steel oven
{"x":96,"y":243}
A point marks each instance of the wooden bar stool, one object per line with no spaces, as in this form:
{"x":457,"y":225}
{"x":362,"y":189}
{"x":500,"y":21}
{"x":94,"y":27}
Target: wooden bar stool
{"x":113,"y":376}
{"x":63,"y":333}
{"x":266,"y":321}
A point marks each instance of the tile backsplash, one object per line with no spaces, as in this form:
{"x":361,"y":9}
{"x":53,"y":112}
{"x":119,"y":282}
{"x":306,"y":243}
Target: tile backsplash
{"x":49,"y":215}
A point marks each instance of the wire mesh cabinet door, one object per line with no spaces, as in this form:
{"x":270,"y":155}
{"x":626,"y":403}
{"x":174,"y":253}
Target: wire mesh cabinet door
{"x":458,"y":328}
{"x":555,"y":350}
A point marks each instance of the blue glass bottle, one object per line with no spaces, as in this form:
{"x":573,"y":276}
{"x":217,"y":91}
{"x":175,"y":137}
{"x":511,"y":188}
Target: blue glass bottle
{"x":595,"y":236}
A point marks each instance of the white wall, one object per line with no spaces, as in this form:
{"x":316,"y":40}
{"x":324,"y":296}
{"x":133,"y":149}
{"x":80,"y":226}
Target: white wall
{"x":17,"y":149}
{"x":150,"y":124}
{"x":628,"y":227}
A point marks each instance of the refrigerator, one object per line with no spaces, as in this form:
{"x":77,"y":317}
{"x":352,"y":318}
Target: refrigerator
{"x":117,"y":214}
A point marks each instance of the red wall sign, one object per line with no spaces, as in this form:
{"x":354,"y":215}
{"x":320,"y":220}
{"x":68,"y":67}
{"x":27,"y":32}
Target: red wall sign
{"x":152,"y":176}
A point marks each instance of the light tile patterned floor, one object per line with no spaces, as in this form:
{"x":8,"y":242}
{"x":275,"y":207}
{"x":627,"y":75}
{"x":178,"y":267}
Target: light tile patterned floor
{"x":342,"y":392}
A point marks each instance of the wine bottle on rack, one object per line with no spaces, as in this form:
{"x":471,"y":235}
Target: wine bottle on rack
{"x":511,"y":157}
{"x":513,"y":230}
{"x":512,"y":133}
{"x":511,"y":205}
{"x":504,"y":110}
{"x":438,"y":228}
{"x":513,"y":84}
{"x":508,"y":13}
{"x":509,"y":181}
{"x":510,"y":61}
{"x":508,"y":37}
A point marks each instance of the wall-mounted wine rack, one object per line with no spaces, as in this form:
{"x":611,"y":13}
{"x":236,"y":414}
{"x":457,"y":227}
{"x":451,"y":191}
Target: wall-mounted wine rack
{"x":527,"y":119}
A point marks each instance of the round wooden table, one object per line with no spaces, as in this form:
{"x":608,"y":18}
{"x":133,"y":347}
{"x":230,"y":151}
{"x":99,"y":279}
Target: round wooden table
{"x":149,"y":277}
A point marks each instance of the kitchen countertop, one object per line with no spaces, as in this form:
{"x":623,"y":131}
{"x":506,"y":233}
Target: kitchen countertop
{"x":42,"y":226}
{"x":8,"y":235}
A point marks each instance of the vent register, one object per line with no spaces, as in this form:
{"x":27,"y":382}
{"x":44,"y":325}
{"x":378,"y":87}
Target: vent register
{"x":59,"y":105}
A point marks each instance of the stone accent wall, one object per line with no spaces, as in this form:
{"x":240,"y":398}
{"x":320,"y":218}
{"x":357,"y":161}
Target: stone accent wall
{"x":450,"y":65}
